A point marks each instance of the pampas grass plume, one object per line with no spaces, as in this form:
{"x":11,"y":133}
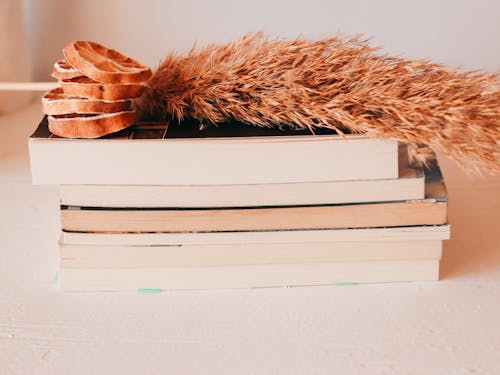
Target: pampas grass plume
{"x":337,"y":83}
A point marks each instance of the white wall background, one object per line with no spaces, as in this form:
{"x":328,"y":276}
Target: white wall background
{"x":463,"y":33}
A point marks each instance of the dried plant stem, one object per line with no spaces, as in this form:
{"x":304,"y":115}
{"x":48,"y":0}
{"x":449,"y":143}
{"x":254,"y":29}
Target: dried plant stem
{"x":343,"y":84}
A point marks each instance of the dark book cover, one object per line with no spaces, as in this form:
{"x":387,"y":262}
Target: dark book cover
{"x":191,"y":129}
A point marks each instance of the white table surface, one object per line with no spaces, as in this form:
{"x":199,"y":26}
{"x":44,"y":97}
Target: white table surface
{"x":446,"y":327}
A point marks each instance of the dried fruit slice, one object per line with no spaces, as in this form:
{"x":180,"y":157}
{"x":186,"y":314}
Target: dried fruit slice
{"x":88,"y":88}
{"x":90,"y":125}
{"x":63,"y":70}
{"x":105,"y":65}
{"x":56,"y":102}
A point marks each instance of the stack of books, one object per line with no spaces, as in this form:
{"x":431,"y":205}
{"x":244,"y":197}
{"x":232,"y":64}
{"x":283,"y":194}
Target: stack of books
{"x":164,"y":206}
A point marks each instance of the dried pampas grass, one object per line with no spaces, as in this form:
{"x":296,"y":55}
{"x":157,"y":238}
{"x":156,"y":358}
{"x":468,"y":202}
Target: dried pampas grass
{"x":342,"y":84}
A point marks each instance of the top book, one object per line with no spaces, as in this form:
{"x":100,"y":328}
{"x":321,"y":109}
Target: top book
{"x":182,"y":154}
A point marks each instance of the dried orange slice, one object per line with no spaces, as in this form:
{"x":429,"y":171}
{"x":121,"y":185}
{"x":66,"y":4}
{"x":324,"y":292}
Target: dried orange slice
{"x":56,"y":102}
{"x":90,"y":125}
{"x":63,"y":70}
{"x":105,"y":65}
{"x":88,"y":88}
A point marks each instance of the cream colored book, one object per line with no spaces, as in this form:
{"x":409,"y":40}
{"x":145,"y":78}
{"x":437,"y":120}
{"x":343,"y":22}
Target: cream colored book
{"x":415,"y":233}
{"x":248,"y":276}
{"x":409,"y":185}
{"x":407,"y":213}
{"x":106,"y":256}
{"x":170,"y":154}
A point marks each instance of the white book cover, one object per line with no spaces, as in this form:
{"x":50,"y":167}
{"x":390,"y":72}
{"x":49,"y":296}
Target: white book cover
{"x":153,"y":157}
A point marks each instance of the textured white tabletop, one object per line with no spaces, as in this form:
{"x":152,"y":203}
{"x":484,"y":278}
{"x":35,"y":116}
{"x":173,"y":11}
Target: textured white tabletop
{"x":446,"y":327}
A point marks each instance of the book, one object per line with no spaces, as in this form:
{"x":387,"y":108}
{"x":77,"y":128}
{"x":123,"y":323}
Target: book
{"x":409,"y":185}
{"x":414,"y":233}
{"x":248,"y":276}
{"x":406,"y":213}
{"x":429,"y":211}
{"x":221,"y":255}
{"x":172,"y":261}
{"x":181,"y":154}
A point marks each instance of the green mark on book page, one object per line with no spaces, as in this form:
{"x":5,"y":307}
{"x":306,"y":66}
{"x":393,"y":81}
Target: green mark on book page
{"x":148,"y":290}
{"x":343,"y":283}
